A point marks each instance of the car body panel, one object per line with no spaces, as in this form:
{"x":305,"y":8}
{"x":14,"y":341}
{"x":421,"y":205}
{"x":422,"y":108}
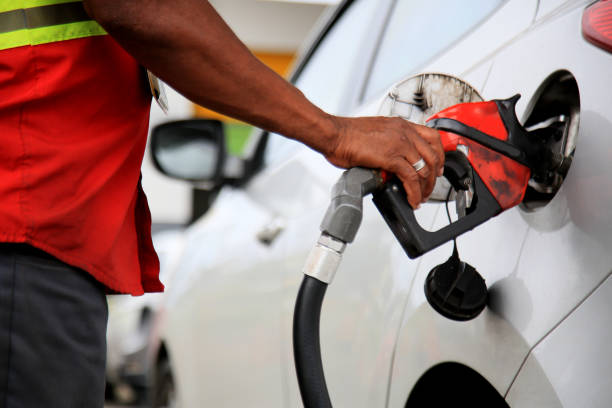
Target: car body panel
{"x":538,"y":265}
{"x":548,"y":7}
{"x":575,"y":360}
{"x":499,"y":29}
{"x":568,"y":240}
{"x":218,"y":301}
{"x":228,"y":328}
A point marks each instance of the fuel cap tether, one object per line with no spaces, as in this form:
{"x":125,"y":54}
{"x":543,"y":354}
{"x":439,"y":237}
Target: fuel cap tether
{"x":455,"y":289}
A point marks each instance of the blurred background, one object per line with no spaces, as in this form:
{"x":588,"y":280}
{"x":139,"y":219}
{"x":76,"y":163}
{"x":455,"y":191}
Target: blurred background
{"x":274,"y":30}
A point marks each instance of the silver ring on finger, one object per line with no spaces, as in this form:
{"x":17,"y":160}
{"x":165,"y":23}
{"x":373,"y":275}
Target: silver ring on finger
{"x":419,"y":165}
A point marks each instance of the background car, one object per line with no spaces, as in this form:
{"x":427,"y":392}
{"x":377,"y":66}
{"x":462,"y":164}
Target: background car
{"x":132,"y":336}
{"x":542,"y":340}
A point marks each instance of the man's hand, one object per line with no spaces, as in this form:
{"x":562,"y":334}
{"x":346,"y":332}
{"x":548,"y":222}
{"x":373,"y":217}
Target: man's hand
{"x":390,"y":144}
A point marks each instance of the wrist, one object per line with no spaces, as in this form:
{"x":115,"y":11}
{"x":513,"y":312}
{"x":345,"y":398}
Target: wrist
{"x":326,"y":135}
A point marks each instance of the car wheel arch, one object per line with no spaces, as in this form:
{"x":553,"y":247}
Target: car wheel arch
{"x":452,"y":383}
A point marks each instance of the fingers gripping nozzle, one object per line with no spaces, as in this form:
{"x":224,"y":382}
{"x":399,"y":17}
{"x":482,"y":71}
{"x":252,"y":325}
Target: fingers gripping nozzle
{"x":392,"y":204}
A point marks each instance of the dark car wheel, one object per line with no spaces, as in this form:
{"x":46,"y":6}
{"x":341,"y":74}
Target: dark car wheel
{"x":164,"y":393}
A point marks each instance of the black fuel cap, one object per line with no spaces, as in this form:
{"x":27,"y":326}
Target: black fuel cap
{"x":455,"y":289}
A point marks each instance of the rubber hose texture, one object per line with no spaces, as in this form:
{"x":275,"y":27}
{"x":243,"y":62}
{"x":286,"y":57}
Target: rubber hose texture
{"x":306,"y":344}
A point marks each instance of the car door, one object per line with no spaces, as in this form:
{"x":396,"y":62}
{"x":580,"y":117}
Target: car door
{"x":223,"y":331}
{"x":465,"y":46}
{"x":540,"y":264}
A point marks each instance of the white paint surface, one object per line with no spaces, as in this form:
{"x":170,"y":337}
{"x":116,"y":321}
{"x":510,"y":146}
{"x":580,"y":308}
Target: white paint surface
{"x":229,"y":314}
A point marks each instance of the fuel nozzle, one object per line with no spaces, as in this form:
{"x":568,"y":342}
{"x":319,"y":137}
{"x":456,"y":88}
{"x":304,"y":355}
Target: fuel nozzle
{"x":478,"y":204}
{"x":490,"y":159}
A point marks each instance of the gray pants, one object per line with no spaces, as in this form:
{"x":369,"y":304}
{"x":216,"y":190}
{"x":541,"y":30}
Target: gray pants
{"x":52,"y":332}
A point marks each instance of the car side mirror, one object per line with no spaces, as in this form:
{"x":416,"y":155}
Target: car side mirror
{"x":192,"y":150}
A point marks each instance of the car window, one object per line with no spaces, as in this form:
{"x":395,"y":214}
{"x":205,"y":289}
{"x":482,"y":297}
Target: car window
{"x":417,"y":30}
{"x":327,"y":73}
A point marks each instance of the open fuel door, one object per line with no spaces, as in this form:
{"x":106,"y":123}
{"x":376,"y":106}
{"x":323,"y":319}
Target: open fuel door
{"x":491,"y":158}
{"x":419,"y":97}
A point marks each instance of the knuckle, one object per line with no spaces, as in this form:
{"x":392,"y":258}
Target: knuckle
{"x":395,"y":166}
{"x":412,"y":177}
{"x":437,"y":162}
{"x":408,"y":175}
{"x":433,"y":133}
{"x":424,"y":173}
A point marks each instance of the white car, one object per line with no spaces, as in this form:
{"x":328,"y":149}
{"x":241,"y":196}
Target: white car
{"x":542,"y":341}
{"x":132,"y":335}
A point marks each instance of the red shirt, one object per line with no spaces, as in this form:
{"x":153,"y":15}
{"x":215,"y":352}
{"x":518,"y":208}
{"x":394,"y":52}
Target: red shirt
{"x":73,"y":126}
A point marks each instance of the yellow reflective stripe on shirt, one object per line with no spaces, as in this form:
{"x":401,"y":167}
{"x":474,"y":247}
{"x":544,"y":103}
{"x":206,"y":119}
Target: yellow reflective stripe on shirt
{"x":8,"y":5}
{"x":44,"y":35}
{"x":14,"y":39}
{"x":41,"y":33}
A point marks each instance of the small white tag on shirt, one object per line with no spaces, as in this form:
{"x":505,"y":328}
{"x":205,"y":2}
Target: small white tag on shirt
{"x":158,"y":91}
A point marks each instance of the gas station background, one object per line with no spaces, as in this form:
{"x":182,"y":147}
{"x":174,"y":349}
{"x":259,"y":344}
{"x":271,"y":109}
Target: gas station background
{"x":274,"y":31}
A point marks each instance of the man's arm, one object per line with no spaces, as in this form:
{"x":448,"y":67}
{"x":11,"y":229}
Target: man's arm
{"x":188,"y":45}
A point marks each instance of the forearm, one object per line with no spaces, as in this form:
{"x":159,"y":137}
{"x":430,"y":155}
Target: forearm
{"x":190,"y":47}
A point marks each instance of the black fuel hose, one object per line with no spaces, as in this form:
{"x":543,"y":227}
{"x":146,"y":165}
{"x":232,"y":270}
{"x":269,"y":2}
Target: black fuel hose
{"x":306,"y":344}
